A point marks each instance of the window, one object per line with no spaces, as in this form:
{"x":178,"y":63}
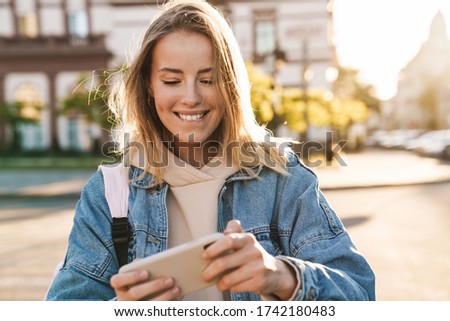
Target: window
{"x":77,"y":19}
{"x":78,"y":24}
{"x":28,"y":25}
{"x":265,"y":34}
{"x":27,"y":18}
{"x":30,"y":99}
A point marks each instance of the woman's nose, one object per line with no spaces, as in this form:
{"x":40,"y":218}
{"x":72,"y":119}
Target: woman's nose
{"x":191,"y":96}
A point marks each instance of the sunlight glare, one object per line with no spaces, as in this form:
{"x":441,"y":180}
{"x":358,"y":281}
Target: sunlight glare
{"x":380,"y":37}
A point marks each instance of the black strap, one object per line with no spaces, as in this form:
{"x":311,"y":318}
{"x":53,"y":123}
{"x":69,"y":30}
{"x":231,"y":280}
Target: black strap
{"x":121,"y":235}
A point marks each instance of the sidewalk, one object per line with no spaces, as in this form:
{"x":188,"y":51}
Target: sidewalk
{"x":42,"y":183}
{"x":372,"y":168}
{"x":382,"y":168}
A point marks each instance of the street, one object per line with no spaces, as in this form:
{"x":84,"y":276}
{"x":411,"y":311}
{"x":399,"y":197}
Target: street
{"x":404,"y":234}
{"x":33,"y":235}
{"x":402,"y":231}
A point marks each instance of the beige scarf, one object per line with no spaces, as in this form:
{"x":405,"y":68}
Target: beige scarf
{"x":192,"y":205}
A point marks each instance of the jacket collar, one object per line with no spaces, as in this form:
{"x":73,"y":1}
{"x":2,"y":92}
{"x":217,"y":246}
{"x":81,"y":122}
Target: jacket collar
{"x":146,"y":182}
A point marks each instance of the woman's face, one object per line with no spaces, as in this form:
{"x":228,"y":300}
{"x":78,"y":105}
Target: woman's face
{"x":182,"y":84}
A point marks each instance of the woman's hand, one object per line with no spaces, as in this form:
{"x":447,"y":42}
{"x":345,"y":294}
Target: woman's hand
{"x":133,"y":286}
{"x":249,"y":268}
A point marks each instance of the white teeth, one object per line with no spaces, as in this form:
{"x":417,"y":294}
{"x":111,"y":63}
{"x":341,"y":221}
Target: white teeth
{"x":191,"y":117}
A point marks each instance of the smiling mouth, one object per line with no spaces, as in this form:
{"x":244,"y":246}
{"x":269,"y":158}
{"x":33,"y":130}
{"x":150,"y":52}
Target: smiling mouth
{"x":191,"y":117}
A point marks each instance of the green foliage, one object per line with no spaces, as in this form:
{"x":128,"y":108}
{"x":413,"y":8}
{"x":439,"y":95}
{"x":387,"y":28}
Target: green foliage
{"x":348,"y":86}
{"x":14,"y":112}
{"x":9,"y":111}
{"x":292,"y":109}
{"x":90,"y":103}
{"x":261,"y":92}
{"x":316,"y":108}
{"x":347,"y":111}
{"x":337,"y":113}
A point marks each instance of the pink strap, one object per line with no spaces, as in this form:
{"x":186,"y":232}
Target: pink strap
{"x":115,"y":178}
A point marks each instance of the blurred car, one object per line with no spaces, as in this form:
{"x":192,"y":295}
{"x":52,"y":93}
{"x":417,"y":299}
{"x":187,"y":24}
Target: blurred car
{"x":446,"y":153}
{"x":399,"y":138}
{"x":420,"y":143}
{"x":438,"y":147}
{"x":376,"y":137}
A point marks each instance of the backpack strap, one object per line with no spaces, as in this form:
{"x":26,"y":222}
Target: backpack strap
{"x":116,"y":192}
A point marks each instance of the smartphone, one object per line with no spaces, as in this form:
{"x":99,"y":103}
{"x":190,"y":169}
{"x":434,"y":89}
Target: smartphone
{"x":183,"y":263}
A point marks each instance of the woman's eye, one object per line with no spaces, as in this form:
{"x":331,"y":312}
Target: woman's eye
{"x":207,"y":81}
{"x":171,"y":82}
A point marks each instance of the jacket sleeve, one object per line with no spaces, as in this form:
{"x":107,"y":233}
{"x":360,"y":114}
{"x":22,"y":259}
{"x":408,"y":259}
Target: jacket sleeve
{"x":90,"y":259}
{"x":328,"y":263}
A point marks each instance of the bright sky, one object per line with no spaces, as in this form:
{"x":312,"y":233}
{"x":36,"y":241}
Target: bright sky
{"x":379,"y":37}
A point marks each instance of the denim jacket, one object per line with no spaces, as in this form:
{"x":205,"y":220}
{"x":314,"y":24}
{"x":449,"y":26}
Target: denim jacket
{"x":288,"y":215}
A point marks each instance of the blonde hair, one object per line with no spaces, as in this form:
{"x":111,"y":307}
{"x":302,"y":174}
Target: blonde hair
{"x":136,"y":109}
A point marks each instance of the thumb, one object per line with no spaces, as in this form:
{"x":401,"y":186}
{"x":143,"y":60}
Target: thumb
{"x":233,"y":226}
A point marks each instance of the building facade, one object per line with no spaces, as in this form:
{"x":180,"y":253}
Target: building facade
{"x":46,"y":45}
{"x":423,"y":93}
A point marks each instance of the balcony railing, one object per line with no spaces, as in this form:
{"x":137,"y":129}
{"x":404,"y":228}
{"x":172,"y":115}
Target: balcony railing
{"x":64,"y":45}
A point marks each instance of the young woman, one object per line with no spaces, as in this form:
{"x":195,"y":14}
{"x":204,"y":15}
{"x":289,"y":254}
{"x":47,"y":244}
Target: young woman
{"x":201,"y":164}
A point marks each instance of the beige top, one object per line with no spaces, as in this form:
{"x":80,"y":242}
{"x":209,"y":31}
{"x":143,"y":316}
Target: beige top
{"x":192,"y":205}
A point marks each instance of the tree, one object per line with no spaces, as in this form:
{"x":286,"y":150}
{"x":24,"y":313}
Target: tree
{"x":261,"y":93}
{"x":11,"y":116}
{"x":345,"y":112}
{"x":297,"y":111}
{"x":348,"y":86}
{"x":89,"y":103}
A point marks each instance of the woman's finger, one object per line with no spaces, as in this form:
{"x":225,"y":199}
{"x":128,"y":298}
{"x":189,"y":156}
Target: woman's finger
{"x":233,"y":278}
{"x":226,"y":263}
{"x":247,"y":285}
{"x":230,"y":242}
{"x":171,"y":294}
{"x":144,"y":290}
{"x":125,"y":280}
{"x":233,"y":226}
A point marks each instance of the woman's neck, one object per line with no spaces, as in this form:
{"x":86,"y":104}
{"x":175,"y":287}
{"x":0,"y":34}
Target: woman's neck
{"x":195,"y":154}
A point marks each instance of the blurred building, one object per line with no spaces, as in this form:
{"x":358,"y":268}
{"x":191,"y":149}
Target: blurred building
{"x":45,"y":45}
{"x":423,"y":97}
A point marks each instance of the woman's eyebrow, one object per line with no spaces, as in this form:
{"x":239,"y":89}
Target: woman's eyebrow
{"x":173,"y":70}
{"x":205,"y":70}
{"x":179,"y":71}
